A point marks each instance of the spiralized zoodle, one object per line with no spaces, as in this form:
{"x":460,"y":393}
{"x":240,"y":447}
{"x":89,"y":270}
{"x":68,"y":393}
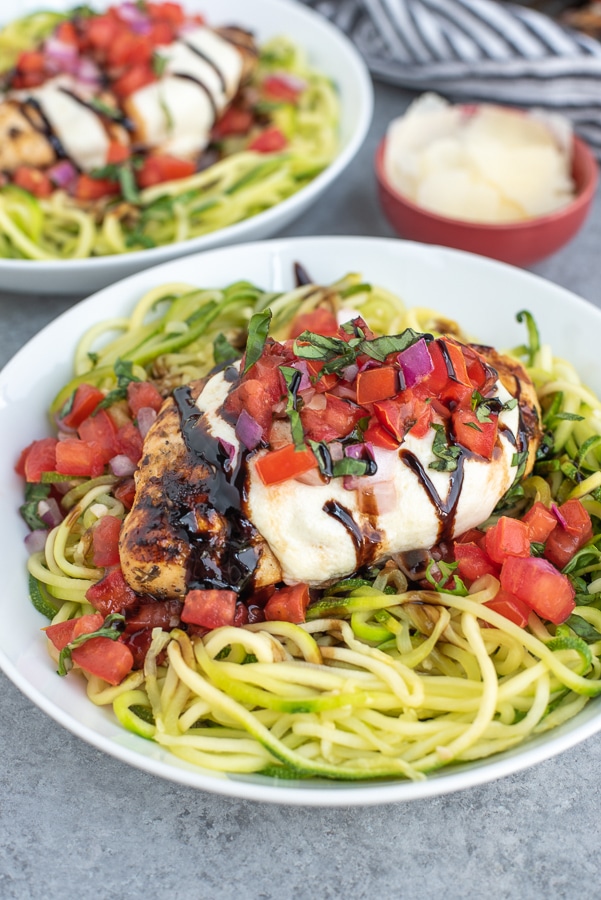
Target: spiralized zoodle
{"x":382,"y":679}
{"x":241,"y":184}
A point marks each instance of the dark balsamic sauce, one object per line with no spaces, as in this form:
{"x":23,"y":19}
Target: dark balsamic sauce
{"x":209,"y":62}
{"x":40,"y":122}
{"x":202,"y":86}
{"x":446,"y":510}
{"x":224,"y":558}
{"x":366,"y":545}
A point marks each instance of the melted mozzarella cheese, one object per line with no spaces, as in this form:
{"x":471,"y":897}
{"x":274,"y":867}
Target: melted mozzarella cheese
{"x":312,"y":546}
{"x":176,"y":113}
{"x":78,"y":128}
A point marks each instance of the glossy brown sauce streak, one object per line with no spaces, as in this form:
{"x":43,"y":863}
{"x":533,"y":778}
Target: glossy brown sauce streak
{"x":446,"y":510}
{"x":41,"y":124}
{"x":202,"y":86}
{"x":209,"y":62}
{"x":227,"y":558}
{"x":366,"y":545}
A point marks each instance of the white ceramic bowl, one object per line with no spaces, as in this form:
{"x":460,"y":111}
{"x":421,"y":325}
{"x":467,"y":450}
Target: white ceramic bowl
{"x":448,"y":280}
{"x":328,"y":50}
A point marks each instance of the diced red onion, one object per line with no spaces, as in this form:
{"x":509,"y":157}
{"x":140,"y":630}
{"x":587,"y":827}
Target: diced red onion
{"x":313,"y":478}
{"x":49,"y":512}
{"x":62,"y":427}
{"x":122,"y":466}
{"x":145,"y":418}
{"x":35,"y":541}
{"x":559,"y":515}
{"x":369,"y":364}
{"x":248,"y":430}
{"x":416,"y":362}
{"x":63,"y":174}
{"x":292,"y":81}
{"x":316,"y":402}
{"x":135,"y":18}
{"x":61,"y":53}
{"x":228,"y":448}
{"x":336,"y":450}
{"x":346,"y":392}
{"x":301,"y":366}
{"x":87,"y":71}
{"x":360,"y":451}
{"x":350,"y":372}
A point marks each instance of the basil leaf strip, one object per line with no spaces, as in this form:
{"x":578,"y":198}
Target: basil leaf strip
{"x":107,"y":630}
{"x":124,"y":371}
{"x":293,"y":377}
{"x":379,"y":348}
{"x":447,"y":454}
{"x":258,"y":329}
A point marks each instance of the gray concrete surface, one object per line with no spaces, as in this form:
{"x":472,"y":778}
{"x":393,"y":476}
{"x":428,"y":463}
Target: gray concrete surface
{"x":75,"y":823}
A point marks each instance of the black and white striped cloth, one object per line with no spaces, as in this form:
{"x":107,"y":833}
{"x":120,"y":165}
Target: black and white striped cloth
{"x":478,"y":50}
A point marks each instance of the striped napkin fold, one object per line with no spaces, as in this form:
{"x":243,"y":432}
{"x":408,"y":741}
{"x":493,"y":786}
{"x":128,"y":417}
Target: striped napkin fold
{"x":478,"y":50}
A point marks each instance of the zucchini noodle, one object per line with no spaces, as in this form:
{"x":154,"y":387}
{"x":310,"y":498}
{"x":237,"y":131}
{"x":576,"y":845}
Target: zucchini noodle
{"x":382,"y":680}
{"x":242,"y":184}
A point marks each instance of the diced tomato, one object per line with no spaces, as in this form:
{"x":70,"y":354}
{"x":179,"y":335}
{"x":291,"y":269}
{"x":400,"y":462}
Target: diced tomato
{"x":130,"y":442}
{"x":111,"y":594}
{"x":100,"y":31}
{"x":235,"y":120}
{"x":142,"y":394}
{"x":33,"y":180}
{"x":511,"y":607}
{"x":100,"y":429}
{"x":280,"y":465}
{"x":40,"y":457}
{"x":565,"y":540}
{"x":157,"y":169}
{"x":449,"y":379}
{"x":62,"y":633}
{"x":473,"y":562}
{"x":209,"y":608}
{"x":319,"y":321}
{"x":380,"y":437}
{"x":335,"y":421}
{"x":170,"y":12}
{"x":105,"y":541}
{"x":31,"y":61}
{"x":288,"y":604}
{"x":278,"y":87}
{"x":79,"y":458}
{"x":129,"y":49}
{"x":377,"y":384}
{"x":133,"y":79}
{"x":269,"y":141}
{"x":537,"y":583}
{"x":478,"y":437}
{"x":117,"y":153}
{"x":85,"y":400}
{"x":509,"y":537}
{"x":104,"y":658}
{"x":540,"y":522}
{"x":396,"y":416}
{"x":424,"y":416}
{"x":139,"y":643}
{"x":66,"y":33}
{"x":321,"y":382}
{"x":481,"y":375}
{"x":88,"y":188}
{"x":163,"y":614}
{"x":471,"y":536}
{"x":126,"y":492}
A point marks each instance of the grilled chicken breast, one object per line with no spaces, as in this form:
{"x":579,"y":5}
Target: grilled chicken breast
{"x":202,"y":517}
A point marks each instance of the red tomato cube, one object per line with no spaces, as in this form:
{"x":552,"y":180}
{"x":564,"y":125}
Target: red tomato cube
{"x":538,"y":584}
{"x":209,"y":608}
{"x":288,"y":604}
{"x":509,"y":537}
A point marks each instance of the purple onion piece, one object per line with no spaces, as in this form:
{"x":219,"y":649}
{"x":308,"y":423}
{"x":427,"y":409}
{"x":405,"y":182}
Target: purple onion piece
{"x":49,"y":512}
{"x":302,"y":367}
{"x":35,"y":541}
{"x":350,"y":372}
{"x":360,"y":451}
{"x":559,"y":515}
{"x":248,"y":430}
{"x":145,"y":418}
{"x":228,"y":448}
{"x":122,"y":466}
{"x":415,"y":362}
{"x":63,"y":174}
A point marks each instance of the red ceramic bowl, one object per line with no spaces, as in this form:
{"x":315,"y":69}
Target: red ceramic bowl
{"x":518,"y":243}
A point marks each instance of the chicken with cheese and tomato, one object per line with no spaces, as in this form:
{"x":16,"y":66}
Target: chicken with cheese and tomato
{"x":315,"y":457}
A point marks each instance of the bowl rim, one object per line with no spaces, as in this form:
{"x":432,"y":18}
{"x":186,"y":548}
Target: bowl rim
{"x":583,"y":198}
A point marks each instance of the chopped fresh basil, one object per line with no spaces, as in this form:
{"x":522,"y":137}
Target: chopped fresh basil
{"x":323,"y":457}
{"x":447,"y":454}
{"x":111,"y":628}
{"x":446,"y":573}
{"x":379,"y":348}
{"x":110,"y":112}
{"x":583,"y":629}
{"x":34,"y":492}
{"x":223,"y":351}
{"x":159,"y":64}
{"x":349,"y":466}
{"x":124,"y":372}
{"x":258,"y":329}
{"x":293,"y":378}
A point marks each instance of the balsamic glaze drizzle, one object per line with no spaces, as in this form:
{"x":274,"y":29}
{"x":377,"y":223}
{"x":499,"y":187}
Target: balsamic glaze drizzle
{"x":30,"y":103}
{"x":202,"y":86}
{"x":224,"y":558}
{"x":209,"y":62}
{"x":446,"y":510}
